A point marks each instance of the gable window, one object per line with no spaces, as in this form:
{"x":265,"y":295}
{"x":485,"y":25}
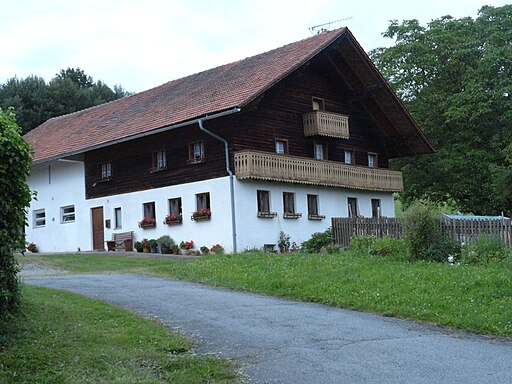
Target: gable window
{"x":318,"y":104}
{"x":39,"y":216}
{"x":353,"y":210}
{"x":106,"y":171}
{"x":289,"y":206}
{"x":196,"y":152}
{"x":159,"y":161}
{"x":149,"y":210}
{"x":348,"y":157}
{"x":118,"y":218}
{"x":313,"y":212}
{"x":320,"y":151}
{"x":376,"y":208}
{"x":281,"y":146}
{"x":264,"y":204}
{"x":67,"y":214}
{"x":372,"y":160}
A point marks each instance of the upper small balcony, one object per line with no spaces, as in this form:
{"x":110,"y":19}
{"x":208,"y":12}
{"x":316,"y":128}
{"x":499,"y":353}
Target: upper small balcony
{"x":326,"y":124}
{"x":294,"y":169}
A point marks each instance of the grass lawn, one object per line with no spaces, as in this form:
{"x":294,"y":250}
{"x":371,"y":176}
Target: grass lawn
{"x":65,"y":338}
{"x":472,"y":298}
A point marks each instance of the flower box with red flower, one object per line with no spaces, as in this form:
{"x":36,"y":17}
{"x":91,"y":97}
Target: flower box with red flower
{"x":201,"y":214}
{"x":147,"y":222}
{"x":173,"y":218}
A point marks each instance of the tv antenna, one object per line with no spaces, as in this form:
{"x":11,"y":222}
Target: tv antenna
{"x":325,"y":26}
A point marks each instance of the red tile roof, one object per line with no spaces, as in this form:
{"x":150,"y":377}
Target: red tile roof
{"x":218,"y":89}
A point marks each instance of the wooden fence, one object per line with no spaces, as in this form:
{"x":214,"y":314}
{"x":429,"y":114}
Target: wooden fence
{"x":344,"y":228}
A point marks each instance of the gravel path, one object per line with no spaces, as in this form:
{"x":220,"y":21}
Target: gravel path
{"x":282,"y":341}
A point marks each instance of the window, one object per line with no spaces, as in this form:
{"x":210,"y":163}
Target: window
{"x":39,"y":218}
{"x":67,"y":214}
{"x":289,"y":206}
{"x":149,"y":210}
{"x":348,"y":157}
{"x":175,"y":206}
{"x":203,"y":201}
{"x":372,"y":160}
{"x":353,"y":211}
{"x":196,"y":152}
{"x":106,"y":171}
{"x":118,"y":218}
{"x":159,"y":161}
{"x":320,"y":151}
{"x":264,"y":204}
{"x":318,"y":104}
{"x":281,"y":146}
{"x":376,"y":208}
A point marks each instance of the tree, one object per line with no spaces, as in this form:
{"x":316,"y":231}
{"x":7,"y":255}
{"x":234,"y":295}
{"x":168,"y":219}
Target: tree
{"x":69,"y":91}
{"x":14,"y":199}
{"x":455,"y":76}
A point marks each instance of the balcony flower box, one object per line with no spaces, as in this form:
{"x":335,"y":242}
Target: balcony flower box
{"x":202,"y":214}
{"x":267,"y":215}
{"x":288,"y":215}
{"x":173,"y":219}
{"x":147,"y":222}
{"x":316,"y":217}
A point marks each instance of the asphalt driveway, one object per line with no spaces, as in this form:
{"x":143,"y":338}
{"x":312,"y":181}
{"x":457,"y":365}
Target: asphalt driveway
{"x":282,"y":341}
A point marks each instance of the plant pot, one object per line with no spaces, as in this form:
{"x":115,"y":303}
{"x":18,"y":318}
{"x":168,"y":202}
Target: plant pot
{"x":154,"y":249}
{"x":165,"y":249}
{"x":145,"y":250}
{"x":139,"y":250}
{"x":184,"y":251}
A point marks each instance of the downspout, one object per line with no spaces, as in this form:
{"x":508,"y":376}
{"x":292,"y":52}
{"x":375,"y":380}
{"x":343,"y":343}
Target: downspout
{"x":228,"y":169}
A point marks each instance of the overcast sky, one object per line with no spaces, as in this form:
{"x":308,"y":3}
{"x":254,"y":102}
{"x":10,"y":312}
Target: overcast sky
{"x":140,"y":44}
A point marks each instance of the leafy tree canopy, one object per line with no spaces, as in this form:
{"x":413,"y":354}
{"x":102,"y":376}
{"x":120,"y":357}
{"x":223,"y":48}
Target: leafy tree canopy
{"x":455,"y":76}
{"x":71,"y":90}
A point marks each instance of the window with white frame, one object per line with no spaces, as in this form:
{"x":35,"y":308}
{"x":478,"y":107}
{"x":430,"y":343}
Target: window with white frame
{"x":348,"y":157}
{"x":106,"y":171}
{"x":203,"y":201}
{"x":175,"y":206}
{"x":67,"y":214}
{"x":264,"y":204}
{"x":320,"y":151}
{"x":118,"y":217}
{"x":376,"y":208}
{"x":39,"y":217}
{"x":281,"y":146}
{"x":149,"y":210}
{"x":289,"y":203}
{"x":313,"y":205}
{"x":196,"y":152}
{"x":372,"y":160}
{"x":159,"y":161}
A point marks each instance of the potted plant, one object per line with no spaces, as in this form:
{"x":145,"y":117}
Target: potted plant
{"x":138,"y":245}
{"x":173,"y":218}
{"x":217,"y":249}
{"x":201,"y":214}
{"x":205,"y":250}
{"x":32,"y":247}
{"x":153,"y":245}
{"x":145,"y":246}
{"x":147,"y":222}
{"x":186,"y":247}
{"x":284,"y":242}
{"x":165,"y":243}
{"x":175,"y":249}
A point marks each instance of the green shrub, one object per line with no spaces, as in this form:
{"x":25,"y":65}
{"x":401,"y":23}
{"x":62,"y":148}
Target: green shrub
{"x":422,"y":230}
{"x":14,"y":169}
{"x":317,"y":241}
{"x":486,"y":249}
{"x":390,"y":247}
{"x":362,"y":244}
{"x":443,"y":248}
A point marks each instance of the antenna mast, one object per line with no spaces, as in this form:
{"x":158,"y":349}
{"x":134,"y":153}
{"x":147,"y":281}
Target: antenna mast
{"x":325,"y":27}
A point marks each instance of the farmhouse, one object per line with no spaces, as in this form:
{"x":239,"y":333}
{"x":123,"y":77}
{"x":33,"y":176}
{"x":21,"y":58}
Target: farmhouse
{"x":281,"y":141}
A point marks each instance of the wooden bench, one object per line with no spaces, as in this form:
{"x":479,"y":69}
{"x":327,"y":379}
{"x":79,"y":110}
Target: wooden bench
{"x":121,"y":241}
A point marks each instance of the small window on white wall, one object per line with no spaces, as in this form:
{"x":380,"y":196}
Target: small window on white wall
{"x":67,"y":214}
{"x":39,"y":218}
{"x":118,"y":218}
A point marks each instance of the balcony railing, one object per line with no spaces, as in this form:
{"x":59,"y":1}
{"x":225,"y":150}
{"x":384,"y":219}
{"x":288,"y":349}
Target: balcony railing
{"x":293,"y":169}
{"x":326,"y":124}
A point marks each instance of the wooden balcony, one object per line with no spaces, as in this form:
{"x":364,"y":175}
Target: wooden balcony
{"x":326,"y":124}
{"x":293,"y":169}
